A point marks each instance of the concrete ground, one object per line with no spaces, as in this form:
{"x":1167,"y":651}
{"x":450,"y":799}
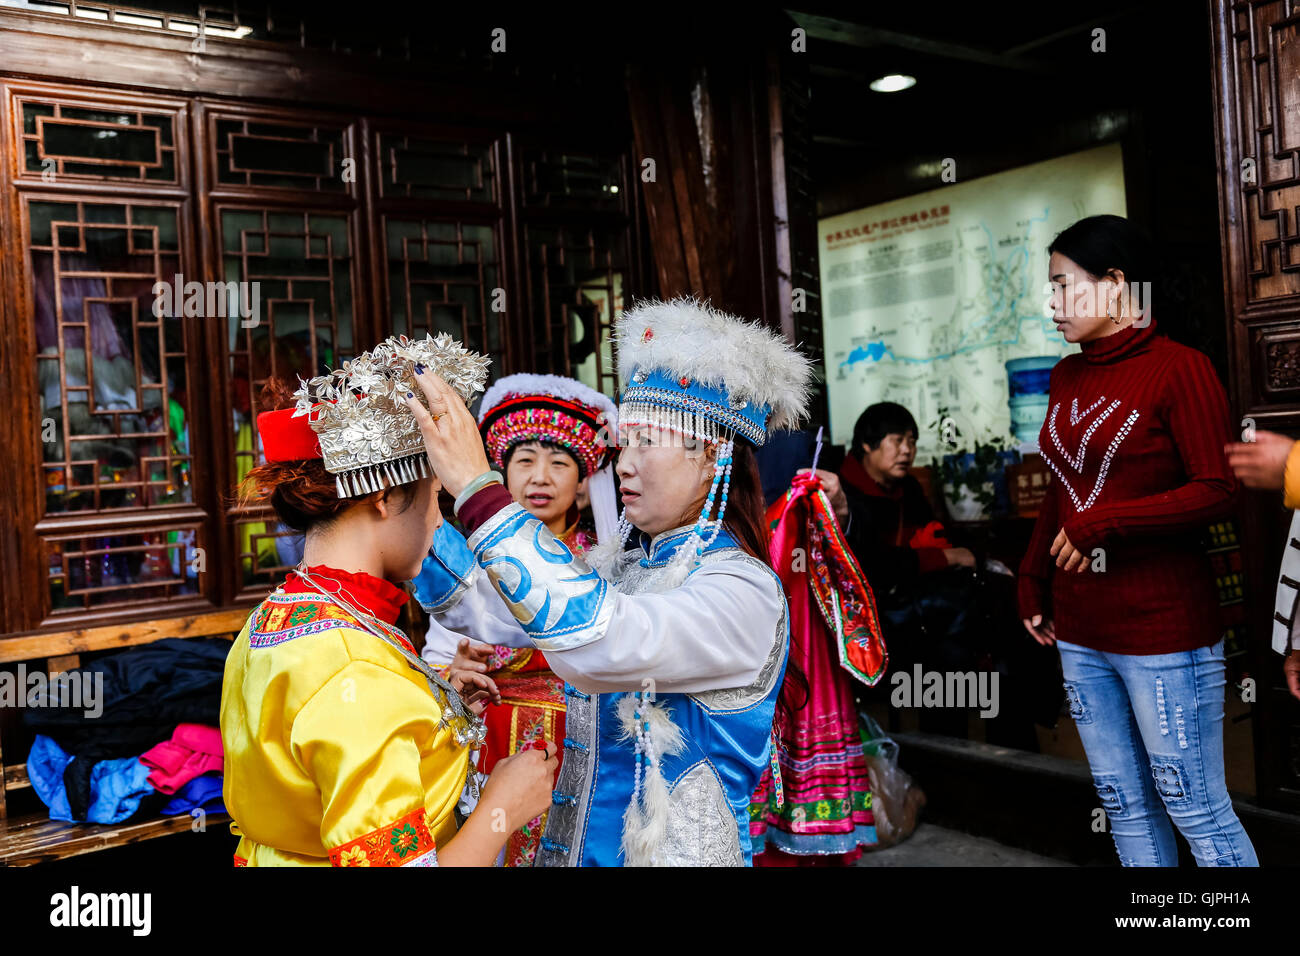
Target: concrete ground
{"x":932,"y":845}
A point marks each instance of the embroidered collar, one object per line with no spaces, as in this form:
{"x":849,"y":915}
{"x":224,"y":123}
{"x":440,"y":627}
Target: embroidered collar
{"x":365,"y":592}
{"x":660,"y":549}
{"x":1119,"y":346}
{"x":285,"y":616}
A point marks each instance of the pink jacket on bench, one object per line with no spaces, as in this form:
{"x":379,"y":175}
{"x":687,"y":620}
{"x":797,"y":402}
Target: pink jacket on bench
{"x":194,"y":749}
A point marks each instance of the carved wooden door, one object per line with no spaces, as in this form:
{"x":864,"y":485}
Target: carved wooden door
{"x":1257,"y":100}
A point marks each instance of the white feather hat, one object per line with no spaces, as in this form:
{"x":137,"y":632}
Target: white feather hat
{"x":690,"y":368}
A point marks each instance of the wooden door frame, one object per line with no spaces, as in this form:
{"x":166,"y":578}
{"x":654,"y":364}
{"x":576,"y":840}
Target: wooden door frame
{"x":1251,"y":325}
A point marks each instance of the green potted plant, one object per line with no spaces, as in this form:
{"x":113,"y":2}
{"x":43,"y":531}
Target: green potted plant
{"x":969,"y":478}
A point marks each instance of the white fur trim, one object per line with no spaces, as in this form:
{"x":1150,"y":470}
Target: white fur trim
{"x":664,"y":734}
{"x":556,"y":386}
{"x":607,"y":557}
{"x":693,"y":339}
{"x":604,"y":504}
{"x":644,"y":827}
{"x":675,"y":572}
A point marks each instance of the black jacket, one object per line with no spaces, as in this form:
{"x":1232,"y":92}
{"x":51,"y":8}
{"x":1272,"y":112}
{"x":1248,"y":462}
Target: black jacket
{"x":875,"y":525}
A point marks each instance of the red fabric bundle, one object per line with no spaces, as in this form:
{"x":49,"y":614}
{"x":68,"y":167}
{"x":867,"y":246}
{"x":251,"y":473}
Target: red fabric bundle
{"x":811,"y":557}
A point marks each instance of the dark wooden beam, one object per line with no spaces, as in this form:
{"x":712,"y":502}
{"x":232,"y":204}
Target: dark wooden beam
{"x":866,"y":37}
{"x":1089,"y":25}
{"x":54,"y":47}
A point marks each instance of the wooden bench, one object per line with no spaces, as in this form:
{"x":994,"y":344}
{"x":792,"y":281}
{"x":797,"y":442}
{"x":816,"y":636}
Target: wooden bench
{"x":35,"y":838}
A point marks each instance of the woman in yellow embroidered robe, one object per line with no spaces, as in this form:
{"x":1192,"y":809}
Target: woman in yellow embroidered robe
{"x":333,"y":751}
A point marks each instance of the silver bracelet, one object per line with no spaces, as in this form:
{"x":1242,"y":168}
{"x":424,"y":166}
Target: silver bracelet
{"x":478,"y":484}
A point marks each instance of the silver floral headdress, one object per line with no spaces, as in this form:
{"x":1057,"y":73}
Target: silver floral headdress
{"x":359,"y":413}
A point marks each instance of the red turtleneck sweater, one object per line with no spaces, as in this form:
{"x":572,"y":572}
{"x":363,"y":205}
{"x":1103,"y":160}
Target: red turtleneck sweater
{"x":1134,"y":436}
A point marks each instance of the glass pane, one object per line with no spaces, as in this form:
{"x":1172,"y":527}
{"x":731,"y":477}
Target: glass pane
{"x":98,"y":142}
{"x":566,"y":179}
{"x":95,"y":116}
{"x":33,"y":110}
{"x":306,"y":159}
{"x":121,"y":569}
{"x":577,"y":276}
{"x":105,"y":144}
{"x":297,"y":267}
{"x":162,"y":123}
{"x":441,"y":278}
{"x":431,"y":169}
{"x":111,"y":374}
{"x":267,"y":549}
{"x":281,"y":155}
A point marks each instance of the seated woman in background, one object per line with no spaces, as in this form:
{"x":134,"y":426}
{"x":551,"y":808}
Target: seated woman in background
{"x":552,"y":437}
{"x":342,"y":746}
{"x":883,"y":509}
{"x":892,"y":530}
{"x":933,"y":614}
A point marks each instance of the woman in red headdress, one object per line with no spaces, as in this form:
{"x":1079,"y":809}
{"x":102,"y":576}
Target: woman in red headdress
{"x":552,"y":437}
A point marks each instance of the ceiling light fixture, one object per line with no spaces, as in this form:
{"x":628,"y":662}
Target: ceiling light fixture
{"x":893,"y":82}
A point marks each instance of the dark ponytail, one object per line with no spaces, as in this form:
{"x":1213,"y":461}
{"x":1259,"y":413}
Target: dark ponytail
{"x":746,"y":506}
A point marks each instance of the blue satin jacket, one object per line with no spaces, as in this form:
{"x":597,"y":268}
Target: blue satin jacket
{"x":562,"y":605}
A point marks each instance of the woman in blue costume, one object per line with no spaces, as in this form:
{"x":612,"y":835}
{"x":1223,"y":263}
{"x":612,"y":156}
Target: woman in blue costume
{"x":673,"y":649}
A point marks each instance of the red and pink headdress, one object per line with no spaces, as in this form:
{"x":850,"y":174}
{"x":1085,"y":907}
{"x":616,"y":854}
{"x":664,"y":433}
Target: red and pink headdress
{"x":563,"y":412}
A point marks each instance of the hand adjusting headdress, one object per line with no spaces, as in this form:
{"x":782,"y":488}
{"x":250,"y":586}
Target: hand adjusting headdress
{"x":696,"y":372}
{"x":356,"y":419}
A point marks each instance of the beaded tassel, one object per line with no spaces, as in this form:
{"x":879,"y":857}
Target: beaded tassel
{"x":647,"y":762}
{"x":777,"y":784}
{"x":701,"y":538}
{"x":641,"y":746}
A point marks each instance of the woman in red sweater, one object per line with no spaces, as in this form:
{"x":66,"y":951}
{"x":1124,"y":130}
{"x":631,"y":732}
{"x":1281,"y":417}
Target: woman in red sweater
{"x":1116,"y":573}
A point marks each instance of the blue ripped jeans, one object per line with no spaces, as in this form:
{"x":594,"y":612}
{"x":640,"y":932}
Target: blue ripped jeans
{"x":1152,"y":725}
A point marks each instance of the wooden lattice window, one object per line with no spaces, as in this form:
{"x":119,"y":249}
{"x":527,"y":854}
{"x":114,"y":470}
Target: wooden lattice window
{"x":297,"y":266}
{"x":421,"y":168}
{"x":576,"y":278}
{"x":111,"y":374}
{"x":566,"y":179}
{"x":444,"y":277}
{"x":88,"y":571}
{"x":66,"y":141}
{"x":250,"y":151}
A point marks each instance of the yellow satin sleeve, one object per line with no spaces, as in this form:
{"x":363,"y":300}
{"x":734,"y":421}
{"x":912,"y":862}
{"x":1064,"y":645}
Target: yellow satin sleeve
{"x":1291,"y":478}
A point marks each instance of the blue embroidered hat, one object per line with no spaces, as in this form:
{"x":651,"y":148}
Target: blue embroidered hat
{"x":695,"y":372}
{"x":690,"y":369}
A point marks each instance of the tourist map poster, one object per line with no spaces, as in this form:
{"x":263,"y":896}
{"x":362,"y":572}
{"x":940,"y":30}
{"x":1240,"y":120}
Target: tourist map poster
{"x":924,"y":299}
